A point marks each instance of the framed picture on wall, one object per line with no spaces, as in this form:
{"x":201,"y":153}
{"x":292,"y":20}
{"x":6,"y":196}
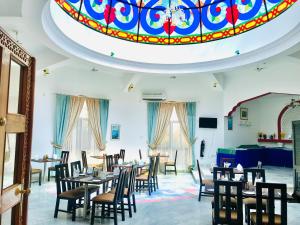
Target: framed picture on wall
{"x":244,"y":113}
{"x":115,"y":131}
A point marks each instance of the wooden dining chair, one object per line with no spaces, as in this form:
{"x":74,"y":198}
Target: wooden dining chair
{"x":203,"y":182}
{"x":218,"y":172}
{"x":122,"y":154}
{"x":34,"y":171}
{"x":108,"y":200}
{"x":155,"y":172}
{"x":129,"y":192}
{"x":223,"y":213}
{"x":171,"y":164}
{"x":116,"y":158}
{"x":84,"y":160}
{"x":75,"y":166}
{"x":64,"y":159}
{"x":145,"y":180}
{"x":65,"y":191}
{"x":250,"y":203}
{"x":109,"y":163}
{"x":275,"y":192}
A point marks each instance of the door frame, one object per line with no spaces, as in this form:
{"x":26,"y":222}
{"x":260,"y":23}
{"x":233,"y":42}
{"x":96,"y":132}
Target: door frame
{"x":21,"y":56}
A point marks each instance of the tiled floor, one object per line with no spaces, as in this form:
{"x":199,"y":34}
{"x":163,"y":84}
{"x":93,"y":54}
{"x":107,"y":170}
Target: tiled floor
{"x":174,"y":203}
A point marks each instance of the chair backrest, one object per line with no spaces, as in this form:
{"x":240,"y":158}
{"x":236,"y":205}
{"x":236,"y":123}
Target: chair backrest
{"x":120,"y":186}
{"x":140,"y":153}
{"x":222,"y":171}
{"x":64,"y":157}
{"x":75,"y":166}
{"x":156,"y":165}
{"x":151,"y":167}
{"x":116,"y":158}
{"x":259,"y":164}
{"x":223,"y":191}
{"x":109,"y":163}
{"x":255,"y":173}
{"x":122,"y":154}
{"x":132,"y":177}
{"x":61,"y":172}
{"x":199,"y":172}
{"x":273,"y":191}
{"x":175,"y":157}
{"x":84,"y":160}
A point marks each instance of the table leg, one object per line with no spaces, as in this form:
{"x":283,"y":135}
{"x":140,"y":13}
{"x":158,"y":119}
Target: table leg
{"x":45,"y":168}
{"x":86,"y":199}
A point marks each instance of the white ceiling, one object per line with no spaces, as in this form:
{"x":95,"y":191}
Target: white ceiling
{"x":27,"y":22}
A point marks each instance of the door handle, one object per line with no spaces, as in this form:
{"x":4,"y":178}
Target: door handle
{"x":2,"y":121}
{"x":22,"y":192}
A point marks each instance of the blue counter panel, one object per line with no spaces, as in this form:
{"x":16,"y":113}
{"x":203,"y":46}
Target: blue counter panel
{"x":268,"y":156}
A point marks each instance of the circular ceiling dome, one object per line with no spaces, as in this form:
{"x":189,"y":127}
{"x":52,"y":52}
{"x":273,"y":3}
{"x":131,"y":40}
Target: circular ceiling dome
{"x":173,"y":22}
{"x":173,"y":36}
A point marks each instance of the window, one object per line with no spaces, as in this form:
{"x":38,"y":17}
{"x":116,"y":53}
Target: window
{"x":82,"y":137}
{"x":175,"y":140}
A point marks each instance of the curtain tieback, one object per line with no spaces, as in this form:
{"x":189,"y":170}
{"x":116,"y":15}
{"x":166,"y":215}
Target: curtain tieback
{"x":56,"y":145}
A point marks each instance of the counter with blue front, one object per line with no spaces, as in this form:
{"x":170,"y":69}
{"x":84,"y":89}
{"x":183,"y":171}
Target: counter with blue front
{"x":248,"y":157}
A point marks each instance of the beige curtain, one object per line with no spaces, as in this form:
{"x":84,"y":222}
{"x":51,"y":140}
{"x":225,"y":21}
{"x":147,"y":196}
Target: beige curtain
{"x":93,"y":108}
{"x":163,"y":120}
{"x":75,"y":110}
{"x":183,"y":120}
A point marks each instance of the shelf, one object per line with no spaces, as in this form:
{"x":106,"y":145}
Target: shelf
{"x":286,"y":141}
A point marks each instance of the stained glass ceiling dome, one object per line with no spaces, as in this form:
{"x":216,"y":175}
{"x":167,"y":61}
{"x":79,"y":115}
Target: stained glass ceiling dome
{"x":173,"y":36}
{"x":173,"y":22}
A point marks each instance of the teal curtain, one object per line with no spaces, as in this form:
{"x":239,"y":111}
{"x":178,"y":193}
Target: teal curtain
{"x":191,"y":115}
{"x":104,"y":107}
{"x":61,"y":120}
{"x":152,"y":112}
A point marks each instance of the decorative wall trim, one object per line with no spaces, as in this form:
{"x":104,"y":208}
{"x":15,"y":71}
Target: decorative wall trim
{"x":18,"y":52}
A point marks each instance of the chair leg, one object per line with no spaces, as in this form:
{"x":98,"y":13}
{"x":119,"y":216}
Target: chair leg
{"x":156,"y":182}
{"x":153,"y":183}
{"x":115,"y":215}
{"x":48,"y":174}
{"x":134,"y":204}
{"x":175,"y":170}
{"x":73,"y":210}
{"x":247,"y":214}
{"x":102,"y":211}
{"x":40,"y":178}
{"x":129,"y":206}
{"x":93,"y":214}
{"x":56,"y":207}
{"x":122,"y":210}
{"x":165,"y":169}
{"x":200,"y":193}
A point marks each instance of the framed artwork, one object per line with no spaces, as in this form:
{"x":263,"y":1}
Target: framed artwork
{"x":244,"y":113}
{"x":230,"y":121}
{"x":115,"y":131}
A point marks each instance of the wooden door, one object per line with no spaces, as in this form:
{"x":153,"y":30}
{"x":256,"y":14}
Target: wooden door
{"x":16,"y":107}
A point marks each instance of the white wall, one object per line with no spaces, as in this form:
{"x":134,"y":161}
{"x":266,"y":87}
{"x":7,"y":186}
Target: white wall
{"x":126,"y":109}
{"x":263,"y":115}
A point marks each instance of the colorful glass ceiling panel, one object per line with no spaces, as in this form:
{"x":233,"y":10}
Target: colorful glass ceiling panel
{"x":148,"y":21}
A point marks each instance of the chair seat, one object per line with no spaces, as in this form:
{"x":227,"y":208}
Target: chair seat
{"x":143,"y":177}
{"x":208,"y":182}
{"x":35,"y":171}
{"x":222,"y":214}
{"x":106,"y":197}
{"x":252,"y":201}
{"x":75,"y":193}
{"x":170,"y":163}
{"x":265,"y":218}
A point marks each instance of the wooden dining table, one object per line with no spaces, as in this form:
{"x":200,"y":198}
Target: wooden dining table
{"x":45,"y":161}
{"x":87,"y":180}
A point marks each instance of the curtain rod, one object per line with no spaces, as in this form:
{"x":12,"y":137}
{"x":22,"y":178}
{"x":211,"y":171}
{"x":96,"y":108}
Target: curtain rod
{"x":82,"y":96}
